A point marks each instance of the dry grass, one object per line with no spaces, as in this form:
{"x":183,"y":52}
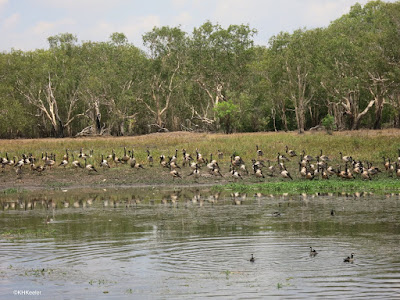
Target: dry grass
{"x":364,"y":145}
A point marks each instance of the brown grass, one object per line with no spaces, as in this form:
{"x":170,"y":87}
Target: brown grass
{"x":364,"y":145}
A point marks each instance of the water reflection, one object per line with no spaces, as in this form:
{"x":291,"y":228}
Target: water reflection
{"x":196,"y":243}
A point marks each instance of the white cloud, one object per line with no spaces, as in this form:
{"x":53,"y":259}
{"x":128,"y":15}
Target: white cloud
{"x":3,"y":4}
{"x":11,"y":21}
{"x":133,"y":29}
{"x":43,"y":27}
{"x":179,"y":3}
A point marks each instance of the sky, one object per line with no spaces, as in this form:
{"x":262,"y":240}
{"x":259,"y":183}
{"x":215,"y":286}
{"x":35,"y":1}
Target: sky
{"x":26,"y":24}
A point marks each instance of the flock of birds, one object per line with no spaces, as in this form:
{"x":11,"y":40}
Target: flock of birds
{"x":313,"y":253}
{"x":309,"y":167}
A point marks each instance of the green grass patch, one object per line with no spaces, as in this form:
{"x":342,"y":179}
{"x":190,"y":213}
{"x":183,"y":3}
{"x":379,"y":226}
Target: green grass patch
{"x":315,"y":186}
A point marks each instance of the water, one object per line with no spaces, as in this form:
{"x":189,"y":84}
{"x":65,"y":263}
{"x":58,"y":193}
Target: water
{"x":146,"y":244}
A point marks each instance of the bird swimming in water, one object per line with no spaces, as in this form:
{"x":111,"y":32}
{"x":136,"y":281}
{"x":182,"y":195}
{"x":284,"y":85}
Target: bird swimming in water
{"x":313,"y":252}
{"x":349,"y":259}
{"x":252,"y":259}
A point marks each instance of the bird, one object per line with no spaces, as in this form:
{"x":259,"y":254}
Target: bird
{"x":124,"y":159}
{"x":89,"y":167}
{"x":286,"y":174}
{"x":313,"y":252}
{"x":345,"y":158}
{"x":174,"y":174}
{"x":349,"y":259}
{"x":149,"y":158}
{"x":252,"y":259}
{"x":104,"y":162}
{"x":235,"y":174}
{"x":291,"y":153}
{"x":332,"y":212}
{"x":76,"y":163}
{"x":259,"y":151}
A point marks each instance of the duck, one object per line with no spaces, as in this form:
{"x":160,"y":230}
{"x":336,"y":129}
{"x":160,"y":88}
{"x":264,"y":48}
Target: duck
{"x":252,"y":259}
{"x":349,"y":259}
{"x":313,"y":252}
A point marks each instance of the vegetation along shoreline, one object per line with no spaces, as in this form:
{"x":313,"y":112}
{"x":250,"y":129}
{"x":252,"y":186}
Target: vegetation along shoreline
{"x":362,"y":161}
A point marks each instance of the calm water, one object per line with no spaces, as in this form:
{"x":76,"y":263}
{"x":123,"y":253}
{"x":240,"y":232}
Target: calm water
{"x":146,"y":244}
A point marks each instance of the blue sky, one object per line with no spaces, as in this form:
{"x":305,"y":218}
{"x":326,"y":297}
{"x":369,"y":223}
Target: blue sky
{"x":26,"y":24}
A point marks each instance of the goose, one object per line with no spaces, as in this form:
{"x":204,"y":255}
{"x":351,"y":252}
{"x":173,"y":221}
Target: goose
{"x":244,"y":169}
{"x":139,"y":166}
{"x":149,"y":158}
{"x":291,"y":153}
{"x":313,"y":252}
{"x":104,"y":162}
{"x":365,"y":175}
{"x":64,"y":162}
{"x":132,"y":160}
{"x":386,"y":163}
{"x":116,"y":159}
{"x":323,"y":157}
{"x":271,"y":168}
{"x":302,"y":170}
{"x":124,"y":159}
{"x":195,"y":173}
{"x":349,"y":259}
{"x":286,"y":174}
{"x":252,"y":259}
{"x":50,"y":162}
{"x":282,"y":158}
{"x":89,"y":167}
{"x":175,"y":174}
{"x":18,"y":171}
{"x":307,"y":157}
{"x":199,"y":157}
{"x":40,"y":169}
{"x":258,"y":172}
{"x":345,"y":158}
{"x":175,"y":157}
{"x":186,"y":158}
{"x":81,"y":154}
{"x":66,"y":156}
{"x":174,"y":165}
{"x":216,"y":171}
{"x":76,"y":163}
{"x":324,"y":174}
{"x":163,"y":162}
{"x":220,"y":154}
{"x":397,"y":169}
{"x":235,"y":174}
{"x":259,"y":151}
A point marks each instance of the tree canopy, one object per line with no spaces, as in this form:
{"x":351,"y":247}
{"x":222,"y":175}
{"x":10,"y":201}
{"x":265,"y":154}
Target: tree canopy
{"x":211,"y":79}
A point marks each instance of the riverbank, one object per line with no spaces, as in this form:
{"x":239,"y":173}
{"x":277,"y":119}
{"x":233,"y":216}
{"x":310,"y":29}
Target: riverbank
{"x":367,"y":146}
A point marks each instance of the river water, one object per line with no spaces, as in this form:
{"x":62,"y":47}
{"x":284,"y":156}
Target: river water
{"x":160,"y":244}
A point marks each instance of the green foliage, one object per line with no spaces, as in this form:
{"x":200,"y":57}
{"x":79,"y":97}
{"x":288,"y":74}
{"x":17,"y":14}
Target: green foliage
{"x":350,"y":69}
{"x":227,"y":112}
{"x":329,"y":123}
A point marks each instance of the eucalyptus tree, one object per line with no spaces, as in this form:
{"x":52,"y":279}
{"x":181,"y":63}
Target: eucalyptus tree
{"x":219,"y":66}
{"x":49,"y":81}
{"x":163,"y":73}
{"x":111,"y":84}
